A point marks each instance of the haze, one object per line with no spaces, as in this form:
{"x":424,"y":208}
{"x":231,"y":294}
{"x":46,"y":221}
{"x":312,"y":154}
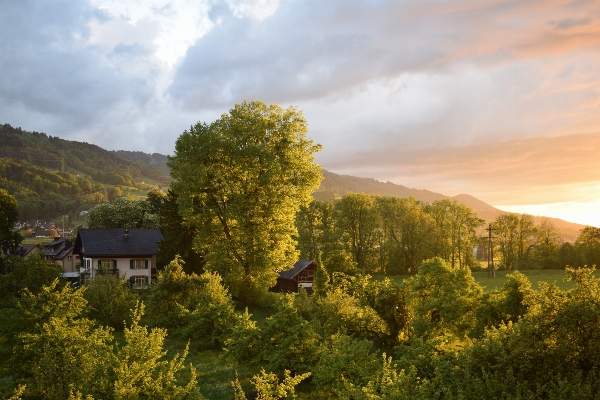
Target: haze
{"x":497,"y":99}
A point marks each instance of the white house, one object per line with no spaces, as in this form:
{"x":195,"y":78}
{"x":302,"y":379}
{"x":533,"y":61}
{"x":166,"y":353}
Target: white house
{"x":127,"y":253}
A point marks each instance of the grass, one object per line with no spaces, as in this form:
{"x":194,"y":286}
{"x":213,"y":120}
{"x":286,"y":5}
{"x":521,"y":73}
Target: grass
{"x":535,"y":277}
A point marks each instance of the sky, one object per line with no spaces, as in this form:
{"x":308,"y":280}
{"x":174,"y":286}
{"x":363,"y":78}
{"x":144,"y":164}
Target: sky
{"x":496,"y":99}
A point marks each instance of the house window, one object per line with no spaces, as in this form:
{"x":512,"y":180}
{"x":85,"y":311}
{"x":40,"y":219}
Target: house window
{"x":87,"y":262}
{"x":106,"y":264}
{"x":69,"y":258}
{"x":138,"y":264}
{"x":139,"y":280}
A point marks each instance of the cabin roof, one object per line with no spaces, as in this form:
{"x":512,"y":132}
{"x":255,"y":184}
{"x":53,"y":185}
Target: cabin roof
{"x":296,"y":269}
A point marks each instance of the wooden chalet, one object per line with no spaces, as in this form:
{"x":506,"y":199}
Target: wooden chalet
{"x":301,"y":275}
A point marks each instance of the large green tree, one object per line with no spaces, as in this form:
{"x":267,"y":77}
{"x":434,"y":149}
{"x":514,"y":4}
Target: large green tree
{"x":9,"y":239}
{"x":125,"y":213}
{"x":240,"y":181}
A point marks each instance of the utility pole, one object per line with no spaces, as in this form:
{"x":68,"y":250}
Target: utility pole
{"x":491,"y":271}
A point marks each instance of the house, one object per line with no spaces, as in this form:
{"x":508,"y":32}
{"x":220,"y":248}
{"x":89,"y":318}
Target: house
{"x":43,"y":234}
{"x":60,"y":251}
{"x":301,"y":275}
{"x":127,"y":253}
{"x":25,"y":250}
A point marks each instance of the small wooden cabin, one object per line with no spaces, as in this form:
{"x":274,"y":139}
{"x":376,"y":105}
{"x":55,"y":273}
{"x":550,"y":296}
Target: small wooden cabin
{"x":301,"y":275}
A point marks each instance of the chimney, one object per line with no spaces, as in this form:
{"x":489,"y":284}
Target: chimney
{"x":126,"y":234}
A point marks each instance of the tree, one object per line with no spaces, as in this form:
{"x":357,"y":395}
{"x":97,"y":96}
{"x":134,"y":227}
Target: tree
{"x":358,"y":221}
{"x":123,"y":213}
{"x":194,"y":306}
{"x":179,"y":238}
{"x":588,"y":246}
{"x":240,"y":182}
{"x":114,"y":193}
{"x":454,"y":236}
{"x":515,"y":238}
{"x":110,"y":300}
{"x":442,"y":299}
{"x":407,"y":233}
{"x":9,"y":240}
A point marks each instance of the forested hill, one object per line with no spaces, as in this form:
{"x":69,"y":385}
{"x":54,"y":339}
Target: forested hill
{"x":334,"y":185}
{"x":50,"y":176}
{"x":155,"y":160}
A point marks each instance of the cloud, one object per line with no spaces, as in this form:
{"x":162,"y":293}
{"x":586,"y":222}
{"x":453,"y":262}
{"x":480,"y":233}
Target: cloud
{"x":309,"y":50}
{"x":448,"y":96}
{"x":521,"y":171}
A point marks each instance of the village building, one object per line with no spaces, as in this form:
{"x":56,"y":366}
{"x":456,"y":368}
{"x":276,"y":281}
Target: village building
{"x":302,"y":274}
{"x":60,"y":251}
{"x":25,"y":250}
{"x":127,"y":253}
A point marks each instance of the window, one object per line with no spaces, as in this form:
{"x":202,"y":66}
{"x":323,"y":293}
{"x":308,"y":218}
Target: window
{"x":139,"y":280}
{"x":107,"y":264}
{"x":87,"y":263}
{"x":138,"y":264}
{"x":69,"y":258}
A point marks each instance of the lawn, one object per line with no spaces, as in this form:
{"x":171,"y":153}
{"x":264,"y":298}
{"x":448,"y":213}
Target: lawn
{"x":535,"y":276}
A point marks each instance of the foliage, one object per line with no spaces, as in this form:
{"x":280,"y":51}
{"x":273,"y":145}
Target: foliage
{"x":268,"y":386}
{"x":31,"y":273}
{"x":61,"y":354}
{"x":345,"y":359}
{"x":407,"y":234}
{"x":51,"y":176}
{"x":387,"y":383}
{"x":358,"y":221}
{"x":140,"y":372}
{"x":340,"y":310}
{"x":124,"y":213}
{"x":442,"y":299}
{"x":59,"y":351}
{"x":240,"y":181}
{"x":9,"y":240}
{"x":179,"y":237}
{"x":110,"y":300}
{"x":506,"y":305}
{"x":194,"y":306}
{"x":284,"y":341}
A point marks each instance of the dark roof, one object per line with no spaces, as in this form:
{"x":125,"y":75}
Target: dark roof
{"x":112,"y":242}
{"x":298,"y":267}
{"x":58,"y":248}
{"x":25,"y":249}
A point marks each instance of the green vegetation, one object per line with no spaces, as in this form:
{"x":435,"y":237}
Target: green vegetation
{"x":50,"y":176}
{"x":240,"y":182}
{"x":436,"y":332}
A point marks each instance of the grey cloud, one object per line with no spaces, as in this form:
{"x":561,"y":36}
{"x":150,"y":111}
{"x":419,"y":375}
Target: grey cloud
{"x":309,"y":50}
{"x":47,"y":68}
{"x":569,"y":23}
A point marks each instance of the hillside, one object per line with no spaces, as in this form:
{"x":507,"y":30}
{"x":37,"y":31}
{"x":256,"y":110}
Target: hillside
{"x":50,"y":176}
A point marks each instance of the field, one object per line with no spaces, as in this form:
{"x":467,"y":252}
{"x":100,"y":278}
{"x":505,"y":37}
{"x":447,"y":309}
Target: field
{"x":535,"y":276}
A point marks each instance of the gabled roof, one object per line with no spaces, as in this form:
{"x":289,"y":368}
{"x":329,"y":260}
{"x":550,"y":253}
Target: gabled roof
{"x":25,"y":249}
{"x":113,"y":243}
{"x":58,"y":249}
{"x":296,"y":269}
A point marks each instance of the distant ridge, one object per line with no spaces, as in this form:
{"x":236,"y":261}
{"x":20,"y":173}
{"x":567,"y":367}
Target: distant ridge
{"x":334,"y":186}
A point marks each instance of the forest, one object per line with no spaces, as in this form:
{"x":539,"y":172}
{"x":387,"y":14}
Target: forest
{"x":52,"y":176}
{"x":238,"y":211}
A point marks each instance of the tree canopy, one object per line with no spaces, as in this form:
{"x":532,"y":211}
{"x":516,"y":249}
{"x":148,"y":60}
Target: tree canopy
{"x":240,"y":181}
